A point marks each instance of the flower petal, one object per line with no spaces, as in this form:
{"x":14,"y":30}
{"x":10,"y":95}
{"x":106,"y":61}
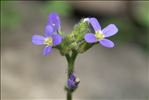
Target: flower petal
{"x":47,"y":50}
{"x":107,"y":43}
{"x":110,"y":30}
{"x":71,"y":84}
{"x":49,"y":30}
{"x":54,"y":20}
{"x":38,"y":39}
{"x":72,"y":77}
{"x":95,"y":24}
{"x":57,"y":39}
{"x":90,"y":37}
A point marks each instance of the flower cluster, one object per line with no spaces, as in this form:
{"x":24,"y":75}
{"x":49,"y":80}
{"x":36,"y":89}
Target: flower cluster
{"x":53,"y":38}
{"x":85,"y":34}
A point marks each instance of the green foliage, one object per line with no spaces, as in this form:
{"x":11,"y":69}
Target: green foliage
{"x":142,"y":13}
{"x":10,"y":15}
{"x":61,"y":7}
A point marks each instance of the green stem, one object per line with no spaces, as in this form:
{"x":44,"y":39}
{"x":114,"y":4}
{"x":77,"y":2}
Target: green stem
{"x":71,"y":62}
{"x":69,"y":95}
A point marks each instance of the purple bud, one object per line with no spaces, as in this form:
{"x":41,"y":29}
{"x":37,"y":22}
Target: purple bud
{"x":73,"y":82}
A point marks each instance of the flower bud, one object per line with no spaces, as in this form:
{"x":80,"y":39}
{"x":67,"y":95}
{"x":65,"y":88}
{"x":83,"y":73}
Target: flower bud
{"x":73,"y":82}
{"x":84,"y":47}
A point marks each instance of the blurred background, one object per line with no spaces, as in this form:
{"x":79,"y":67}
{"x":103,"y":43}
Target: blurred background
{"x":120,"y":73}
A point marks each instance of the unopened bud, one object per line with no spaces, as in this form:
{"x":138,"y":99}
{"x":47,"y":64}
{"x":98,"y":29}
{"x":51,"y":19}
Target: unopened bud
{"x":85,"y":19}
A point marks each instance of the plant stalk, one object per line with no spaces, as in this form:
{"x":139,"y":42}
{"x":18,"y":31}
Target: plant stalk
{"x":71,"y":62}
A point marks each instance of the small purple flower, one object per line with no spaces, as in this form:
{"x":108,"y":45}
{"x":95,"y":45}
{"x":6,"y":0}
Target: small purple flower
{"x":49,"y":39}
{"x":100,"y":35}
{"x":73,"y":82}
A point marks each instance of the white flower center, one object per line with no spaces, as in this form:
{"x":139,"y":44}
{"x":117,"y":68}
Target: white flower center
{"x":48,"y":41}
{"x":99,"y":35}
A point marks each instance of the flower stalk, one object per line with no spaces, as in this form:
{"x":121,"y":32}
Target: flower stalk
{"x":71,"y":62}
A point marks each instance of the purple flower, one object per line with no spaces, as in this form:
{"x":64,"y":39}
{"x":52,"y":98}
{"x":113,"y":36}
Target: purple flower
{"x":73,"y":82}
{"x":100,"y":35}
{"x":54,"y":21}
{"x":49,"y":39}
